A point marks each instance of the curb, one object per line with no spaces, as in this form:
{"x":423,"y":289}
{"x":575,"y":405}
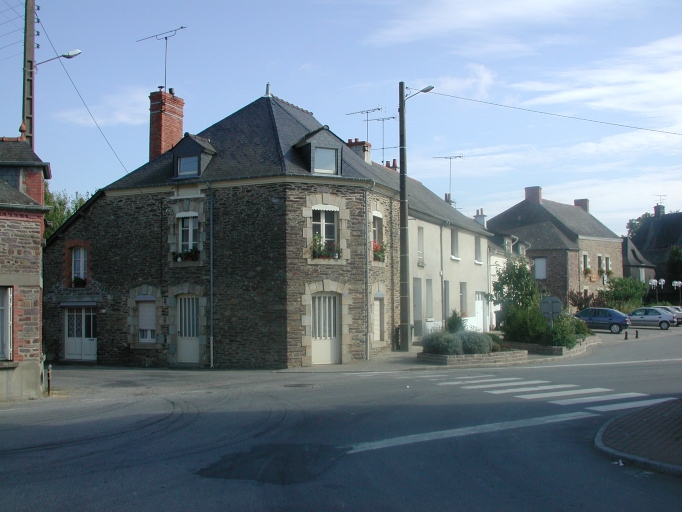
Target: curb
{"x":633,"y":460}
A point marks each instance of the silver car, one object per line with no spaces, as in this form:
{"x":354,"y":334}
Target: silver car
{"x":651,"y":317}
{"x":676,"y":312}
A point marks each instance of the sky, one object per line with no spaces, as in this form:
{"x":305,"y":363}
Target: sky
{"x":614,"y":61}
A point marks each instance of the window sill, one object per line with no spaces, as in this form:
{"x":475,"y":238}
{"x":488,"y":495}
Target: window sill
{"x":378,"y":263}
{"x":476,"y":262}
{"x":421,"y":264}
{"x":455,"y":258}
{"x":147,"y":346}
{"x":8,"y":365}
{"x":326,"y":261}
{"x":187,"y":263}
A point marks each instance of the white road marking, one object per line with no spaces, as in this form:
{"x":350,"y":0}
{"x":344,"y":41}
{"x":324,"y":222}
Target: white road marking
{"x":563,"y":393}
{"x":95,"y":399}
{"x":522,"y":383}
{"x":601,"y":398}
{"x":466,"y":431}
{"x":672,"y":360}
{"x":536,"y":388}
{"x":450,"y":383}
{"x":475,"y":377}
{"x":3,"y":410}
{"x":629,"y":405}
{"x":505,"y":379}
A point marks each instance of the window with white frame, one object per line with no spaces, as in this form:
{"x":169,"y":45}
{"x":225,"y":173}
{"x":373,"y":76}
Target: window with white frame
{"x":377,"y":228}
{"x":188,"y":231}
{"x":6,"y":323}
{"x":477,"y":250}
{"x":326,"y":161}
{"x":429,"y":299}
{"x":600,"y":262}
{"x":325,"y":224}
{"x":586,"y":261}
{"x":540,"y":268}
{"x":146,"y":321}
{"x":79,"y":265}
{"x":607,"y":262}
{"x":463,"y":299}
{"x":454,"y":243}
{"x":420,"y":247}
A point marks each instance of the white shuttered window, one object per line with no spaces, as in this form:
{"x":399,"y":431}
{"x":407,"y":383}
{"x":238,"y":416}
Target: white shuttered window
{"x":146,"y":318}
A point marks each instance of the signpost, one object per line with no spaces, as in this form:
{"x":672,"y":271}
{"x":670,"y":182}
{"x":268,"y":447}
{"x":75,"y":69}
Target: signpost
{"x":550,"y":307}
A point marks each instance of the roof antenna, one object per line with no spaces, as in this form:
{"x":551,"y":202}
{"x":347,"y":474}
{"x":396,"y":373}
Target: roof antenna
{"x":366,"y":112}
{"x":661,"y":198}
{"x":158,"y":37}
{"x":383,"y":138}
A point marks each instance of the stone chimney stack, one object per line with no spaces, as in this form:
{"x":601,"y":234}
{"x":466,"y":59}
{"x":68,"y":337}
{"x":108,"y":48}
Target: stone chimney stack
{"x":480,"y":218}
{"x":582,"y":203}
{"x":165,"y":121}
{"x":362,"y":149}
{"x":534,"y":195}
{"x":659,"y":211}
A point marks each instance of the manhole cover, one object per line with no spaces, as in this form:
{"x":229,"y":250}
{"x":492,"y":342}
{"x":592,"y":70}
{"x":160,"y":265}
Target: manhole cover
{"x":299,"y":385}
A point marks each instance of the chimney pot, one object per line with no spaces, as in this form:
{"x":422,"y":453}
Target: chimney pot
{"x":659,"y":210}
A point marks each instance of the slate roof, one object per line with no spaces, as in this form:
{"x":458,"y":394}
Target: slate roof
{"x":571,"y":221}
{"x":657,"y":235}
{"x":16,"y":152}
{"x":12,"y":198}
{"x":260,"y":140}
{"x":632,"y":257}
{"x":545,"y":236}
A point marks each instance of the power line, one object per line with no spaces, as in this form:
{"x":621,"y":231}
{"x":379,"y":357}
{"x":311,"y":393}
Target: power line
{"x":11,"y":56}
{"x":555,"y":115}
{"x":81,"y":97}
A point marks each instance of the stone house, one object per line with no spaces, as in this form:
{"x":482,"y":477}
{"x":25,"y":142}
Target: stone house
{"x":569,"y":248}
{"x":262,"y":241}
{"x":22,"y":226}
{"x":635,"y":265}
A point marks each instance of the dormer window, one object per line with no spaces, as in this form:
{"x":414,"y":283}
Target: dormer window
{"x":188,"y":166}
{"x":325,"y":161}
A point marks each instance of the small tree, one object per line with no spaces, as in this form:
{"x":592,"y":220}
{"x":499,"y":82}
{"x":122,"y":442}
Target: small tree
{"x":515,"y":286}
{"x":673,"y":266}
{"x":581,"y":301}
{"x":634,"y":225}
{"x":624,"y":293}
{"x":63,"y":207}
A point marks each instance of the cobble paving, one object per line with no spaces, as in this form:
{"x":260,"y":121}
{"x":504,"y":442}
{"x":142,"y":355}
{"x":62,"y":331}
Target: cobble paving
{"x":651,"y":436}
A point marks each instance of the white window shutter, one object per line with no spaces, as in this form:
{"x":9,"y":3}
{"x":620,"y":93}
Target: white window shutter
{"x":10,"y":318}
{"x":146,"y":315}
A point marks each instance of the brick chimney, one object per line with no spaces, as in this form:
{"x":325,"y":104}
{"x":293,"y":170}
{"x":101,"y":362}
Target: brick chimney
{"x":583,"y":203}
{"x":165,"y":121}
{"x":534,"y":195}
{"x":393,"y":166}
{"x":362,"y":149}
{"x":659,"y":211}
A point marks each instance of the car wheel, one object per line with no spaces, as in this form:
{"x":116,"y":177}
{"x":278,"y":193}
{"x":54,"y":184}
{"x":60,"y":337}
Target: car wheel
{"x":664,"y":326}
{"x":615,"y":328}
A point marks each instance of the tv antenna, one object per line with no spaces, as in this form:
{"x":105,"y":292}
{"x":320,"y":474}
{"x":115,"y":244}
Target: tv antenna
{"x":661,"y":198}
{"x":383,"y":143}
{"x":366,"y":112}
{"x":164,"y":36}
{"x":451,"y":158}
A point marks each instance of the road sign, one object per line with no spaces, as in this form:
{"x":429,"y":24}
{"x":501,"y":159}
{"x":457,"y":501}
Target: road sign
{"x":550,"y":307}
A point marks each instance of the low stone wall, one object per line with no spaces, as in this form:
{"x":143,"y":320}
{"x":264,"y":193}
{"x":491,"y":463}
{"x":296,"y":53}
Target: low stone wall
{"x":493,"y":358}
{"x":545,"y":350}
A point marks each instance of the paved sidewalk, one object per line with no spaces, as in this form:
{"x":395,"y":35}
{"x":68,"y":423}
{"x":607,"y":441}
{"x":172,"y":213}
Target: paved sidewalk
{"x":650,"y":438}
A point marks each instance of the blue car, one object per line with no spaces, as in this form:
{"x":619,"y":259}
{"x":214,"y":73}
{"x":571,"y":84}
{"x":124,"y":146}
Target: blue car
{"x":604,"y":318}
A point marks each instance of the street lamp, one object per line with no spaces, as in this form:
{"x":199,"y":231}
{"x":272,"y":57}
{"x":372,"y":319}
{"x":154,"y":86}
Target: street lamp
{"x":678,"y":286}
{"x":653,"y":283}
{"x":67,"y":55}
{"x":405,"y":332}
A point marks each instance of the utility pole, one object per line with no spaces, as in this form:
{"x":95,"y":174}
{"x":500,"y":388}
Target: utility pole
{"x":29,"y":69}
{"x":405,"y":332}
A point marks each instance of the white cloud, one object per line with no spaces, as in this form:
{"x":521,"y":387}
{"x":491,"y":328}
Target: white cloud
{"x":129,"y":107}
{"x":438,"y":18}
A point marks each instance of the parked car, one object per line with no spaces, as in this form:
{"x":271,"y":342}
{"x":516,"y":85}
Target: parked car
{"x":651,"y":317}
{"x":604,"y":318}
{"x":677,"y":313}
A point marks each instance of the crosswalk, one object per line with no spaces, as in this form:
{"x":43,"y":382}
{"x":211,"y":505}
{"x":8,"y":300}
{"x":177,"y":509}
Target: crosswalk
{"x":562,"y":394}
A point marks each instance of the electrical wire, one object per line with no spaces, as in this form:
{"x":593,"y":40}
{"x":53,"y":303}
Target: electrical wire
{"x":11,"y":56}
{"x":555,"y":115}
{"x":81,"y":97}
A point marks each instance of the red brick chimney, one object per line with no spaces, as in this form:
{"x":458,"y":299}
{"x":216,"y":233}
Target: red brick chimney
{"x":165,"y":121}
{"x":393,"y":166}
{"x":534,"y":195}
{"x":583,"y":203}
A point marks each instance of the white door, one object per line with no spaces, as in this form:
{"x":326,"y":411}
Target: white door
{"x":80,"y":337}
{"x":378,"y":320}
{"x":326,"y":329}
{"x":188,"y":329}
{"x":480,"y":317}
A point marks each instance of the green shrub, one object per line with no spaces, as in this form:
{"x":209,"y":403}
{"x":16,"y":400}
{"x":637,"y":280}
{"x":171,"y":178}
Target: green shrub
{"x":562,"y":333}
{"x":442,"y":342}
{"x":580,"y":327}
{"x":496,"y":347}
{"x":495,"y":338}
{"x":525,"y":325}
{"x":475,"y":342}
{"x":455,"y":323}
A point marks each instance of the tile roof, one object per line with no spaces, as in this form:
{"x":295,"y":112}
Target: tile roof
{"x":572,"y":221}
{"x":260,"y":140}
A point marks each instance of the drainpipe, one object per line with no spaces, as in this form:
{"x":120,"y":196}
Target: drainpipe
{"x":210,"y":217}
{"x":367,"y":263}
{"x":444,"y":314}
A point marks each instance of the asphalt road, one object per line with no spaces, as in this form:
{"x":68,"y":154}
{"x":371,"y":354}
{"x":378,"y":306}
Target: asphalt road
{"x":452,"y":439}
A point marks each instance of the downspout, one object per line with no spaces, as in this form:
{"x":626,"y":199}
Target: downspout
{"x":210,"y":217}
{"x":368,"y":291}
{"x":444,"y":314}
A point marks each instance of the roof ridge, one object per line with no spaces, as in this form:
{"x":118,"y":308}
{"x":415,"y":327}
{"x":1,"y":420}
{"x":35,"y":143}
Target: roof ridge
{"x":292,"y":105}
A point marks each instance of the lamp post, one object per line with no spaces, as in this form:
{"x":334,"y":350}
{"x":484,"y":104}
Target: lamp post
{"x":405,"y":331}
{"x":653,"y":283}
{"x":678,"y":286}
